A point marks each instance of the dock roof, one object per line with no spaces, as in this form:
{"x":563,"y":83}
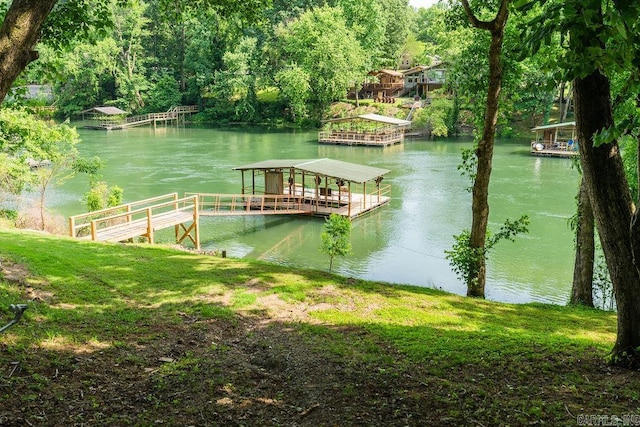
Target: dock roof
{"x":387,"y":71}
{"x":107,"y":111}
{"x":328,"y":167}
{"x":385,"y":119}
{"x":374,"y":118}
{"x":554,"y":126}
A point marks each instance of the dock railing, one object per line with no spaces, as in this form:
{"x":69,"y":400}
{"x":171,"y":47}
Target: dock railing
{"x":141,"y":219}
{"x":371,"y":197}
{"x":80,"y":225}
{"x":386,"y":137}
{"x":248,"y":204}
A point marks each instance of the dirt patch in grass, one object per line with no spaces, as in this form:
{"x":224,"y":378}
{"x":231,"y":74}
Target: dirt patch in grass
{"x":254,"y":370}
{"x":19,"y":274}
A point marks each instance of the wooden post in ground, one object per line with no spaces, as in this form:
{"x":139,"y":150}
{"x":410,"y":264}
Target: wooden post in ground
{"x":149,"y":226}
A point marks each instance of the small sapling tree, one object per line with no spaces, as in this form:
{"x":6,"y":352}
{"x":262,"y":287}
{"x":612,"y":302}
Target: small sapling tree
{"x":336,"y":237}
{"x":100,"y":195}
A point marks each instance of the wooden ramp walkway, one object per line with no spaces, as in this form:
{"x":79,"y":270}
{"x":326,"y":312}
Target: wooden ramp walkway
{"x":141,"y":219}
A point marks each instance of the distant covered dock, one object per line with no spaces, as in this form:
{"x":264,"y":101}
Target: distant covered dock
{"x":111,"y":118}
{"x":102,"y":117}
{"x":365,"y":129}
{"x":318,"y":186}
{"x":555,"y":140}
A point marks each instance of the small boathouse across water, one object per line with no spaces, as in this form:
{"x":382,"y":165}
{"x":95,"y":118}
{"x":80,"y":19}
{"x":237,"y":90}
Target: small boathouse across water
{"x":365,"y":129}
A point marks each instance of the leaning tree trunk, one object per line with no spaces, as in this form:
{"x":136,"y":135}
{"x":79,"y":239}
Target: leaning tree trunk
{"x":612,"y":207}
{"x":18,"y":35}
{"x":582,"y":288}
{"x":484,"y":152}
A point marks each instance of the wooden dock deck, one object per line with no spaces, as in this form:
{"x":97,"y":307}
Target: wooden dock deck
{"x":552,"y":152}
{"x":140,"y":219}
{"x":364,"y":129}
{"x":378,"y":139}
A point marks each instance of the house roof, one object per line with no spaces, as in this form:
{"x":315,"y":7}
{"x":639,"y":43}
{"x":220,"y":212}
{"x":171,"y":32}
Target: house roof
{"x":421,"y":68}
{"x":416,"y":69}
{"x":554,"y":126}
{"x":390,"y":72}
{"x":328,"y":167}
{"x":107,"y":111}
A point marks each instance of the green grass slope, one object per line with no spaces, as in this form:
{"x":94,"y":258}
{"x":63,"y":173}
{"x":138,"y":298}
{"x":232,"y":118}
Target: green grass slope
{"x":144,"y":335}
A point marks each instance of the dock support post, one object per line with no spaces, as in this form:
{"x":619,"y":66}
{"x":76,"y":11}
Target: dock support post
{"x":196,"y":222}
{"x":349,"y":210}
{"x":364,"y":200}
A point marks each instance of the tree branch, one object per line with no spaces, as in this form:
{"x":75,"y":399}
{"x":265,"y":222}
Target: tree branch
{"x":496,"y":24}
{"x":19,"y":33}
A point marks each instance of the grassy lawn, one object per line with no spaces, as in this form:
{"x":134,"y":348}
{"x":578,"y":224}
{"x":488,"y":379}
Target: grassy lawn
{"x":145,"y":335}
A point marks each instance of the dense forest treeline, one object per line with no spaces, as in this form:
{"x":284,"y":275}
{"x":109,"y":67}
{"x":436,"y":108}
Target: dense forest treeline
{"x":282,"y":62}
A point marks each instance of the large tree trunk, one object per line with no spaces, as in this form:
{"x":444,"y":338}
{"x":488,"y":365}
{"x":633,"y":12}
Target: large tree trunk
{"x":582,"y":289}
{"x":18,"y":35}
{"x":612,"y":207}
{"x":484,"y":152}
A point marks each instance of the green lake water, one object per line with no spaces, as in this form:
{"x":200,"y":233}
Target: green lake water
{"x":403,"y":242}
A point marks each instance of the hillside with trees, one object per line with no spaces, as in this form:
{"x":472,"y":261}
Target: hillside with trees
{"x":280,"y":63}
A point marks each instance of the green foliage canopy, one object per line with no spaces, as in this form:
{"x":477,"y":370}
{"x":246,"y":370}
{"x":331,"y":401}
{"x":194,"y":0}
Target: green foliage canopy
{"x":326,"y":50}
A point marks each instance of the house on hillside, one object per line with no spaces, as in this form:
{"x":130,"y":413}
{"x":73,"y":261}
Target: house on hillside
{"x":424,"y":78}
{"x":382,"y":84}
{"x":405,"y":61}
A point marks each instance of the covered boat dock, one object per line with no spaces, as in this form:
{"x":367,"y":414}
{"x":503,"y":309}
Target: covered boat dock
{"x":555,"y":140}
{"x":365,"y":129}
{"x":318,"y":186}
